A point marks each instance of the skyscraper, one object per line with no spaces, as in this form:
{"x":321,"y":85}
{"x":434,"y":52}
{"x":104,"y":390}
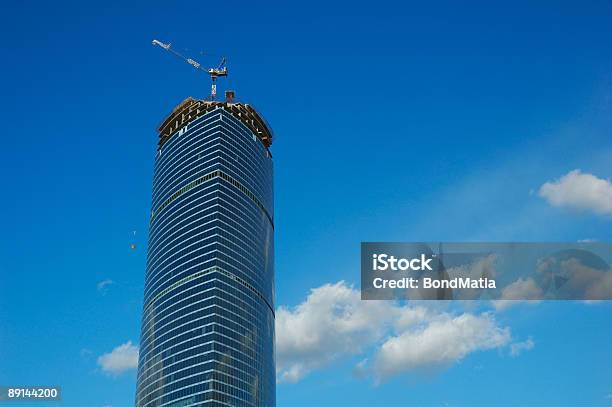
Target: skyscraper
{"x":208,"y":319}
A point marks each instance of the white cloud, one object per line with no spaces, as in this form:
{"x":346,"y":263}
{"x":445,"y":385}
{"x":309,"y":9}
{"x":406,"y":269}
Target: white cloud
{"x":409,"y":317}
{"x":520,"y":291}
{"x":441,"y":342}
{"x":122,"y":358}
{"x":578,"y":190}
{"x":102,"y":286}
{"x":333,"y":323}
{"x":519,"y":347}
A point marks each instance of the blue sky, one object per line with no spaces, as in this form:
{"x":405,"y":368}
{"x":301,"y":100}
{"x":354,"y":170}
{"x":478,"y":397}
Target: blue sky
{"x":394,"y":122}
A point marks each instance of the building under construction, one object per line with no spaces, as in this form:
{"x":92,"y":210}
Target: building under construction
{"x":208,"y":319}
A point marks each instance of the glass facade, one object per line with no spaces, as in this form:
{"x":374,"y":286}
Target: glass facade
{"x":208,"y":319}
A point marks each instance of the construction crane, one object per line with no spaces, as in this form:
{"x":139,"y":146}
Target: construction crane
{"x":220,"y":70}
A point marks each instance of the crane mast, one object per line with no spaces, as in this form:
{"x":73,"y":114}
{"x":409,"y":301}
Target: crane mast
{"x":214,"y":73}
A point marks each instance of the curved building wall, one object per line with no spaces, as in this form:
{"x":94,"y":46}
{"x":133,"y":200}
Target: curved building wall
{"x":208,"y":320}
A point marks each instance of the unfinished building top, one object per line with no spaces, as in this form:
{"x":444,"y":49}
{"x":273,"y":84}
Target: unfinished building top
{"x":190,"y":109}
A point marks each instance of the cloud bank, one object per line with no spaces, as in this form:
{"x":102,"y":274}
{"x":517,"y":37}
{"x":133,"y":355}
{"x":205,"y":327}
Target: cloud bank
{"x":580,"y":191}
{"x":443,"y":340}
{"x":333,"y":323}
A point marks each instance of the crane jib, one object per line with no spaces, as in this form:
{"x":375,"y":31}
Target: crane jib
{"x":214,"y":73}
